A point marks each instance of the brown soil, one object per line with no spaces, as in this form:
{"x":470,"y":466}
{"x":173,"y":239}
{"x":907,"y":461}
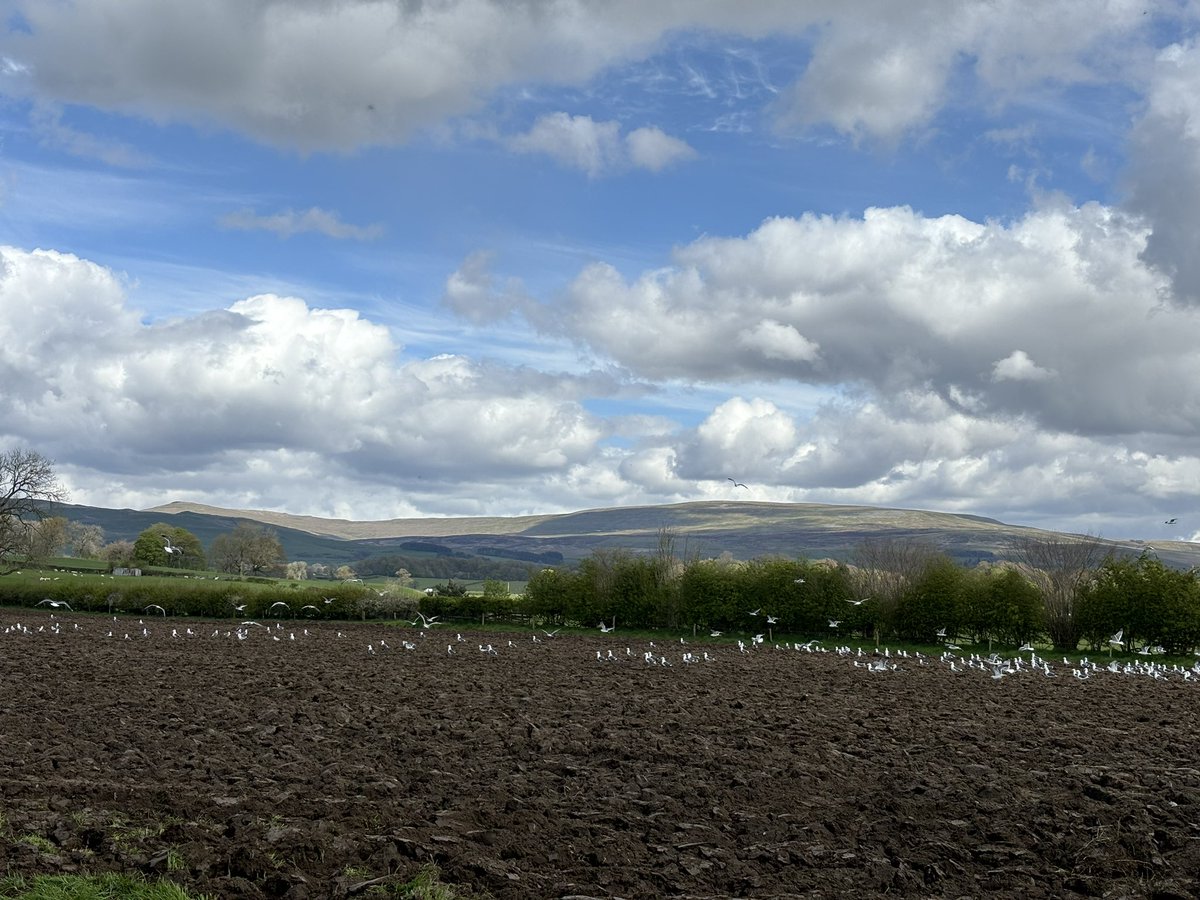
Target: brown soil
{"x":263,"y":767}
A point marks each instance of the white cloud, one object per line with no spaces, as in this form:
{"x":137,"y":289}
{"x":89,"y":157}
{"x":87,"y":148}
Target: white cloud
{"x":244,"y":404}
{"x":289,"y":223}
{"x":775,"y":340}
{"x":740,"y":439}
{"x":1017,"y":366}
{"x":578,"y":142}
{"x":877,"y":68}
{"x":268,"y":377}
{"x":895,"y":300}
{"x":653,"y":149}
{"x":473,"y":292}
{"x":597,"y":148}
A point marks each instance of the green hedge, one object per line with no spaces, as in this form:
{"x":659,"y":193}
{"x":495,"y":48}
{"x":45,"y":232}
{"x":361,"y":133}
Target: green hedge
{"x":200,"y":596}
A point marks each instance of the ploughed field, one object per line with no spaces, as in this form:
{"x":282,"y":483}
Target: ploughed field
{"x":298,"y":767}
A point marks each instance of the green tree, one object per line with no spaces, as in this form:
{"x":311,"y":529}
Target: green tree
{"x":152,"y":546}
{"x":27,"y":484}
{"x":1000,"y":603}
{"x":547,"y":594}
{"x":1148,"y":602}
{"x":711,"y":595}
{"x":930,"y":602}
{"x":451,"y":588}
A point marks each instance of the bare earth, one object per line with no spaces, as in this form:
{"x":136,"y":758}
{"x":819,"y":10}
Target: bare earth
{"x":263,"y":767}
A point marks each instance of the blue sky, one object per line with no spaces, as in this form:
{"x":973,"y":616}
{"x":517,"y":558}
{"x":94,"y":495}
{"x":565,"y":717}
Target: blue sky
{"x":369,"y":259}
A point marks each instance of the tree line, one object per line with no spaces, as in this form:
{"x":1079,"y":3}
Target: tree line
{"x":1062,"y":592}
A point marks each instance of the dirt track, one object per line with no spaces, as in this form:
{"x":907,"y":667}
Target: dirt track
{"x":265,"y":767}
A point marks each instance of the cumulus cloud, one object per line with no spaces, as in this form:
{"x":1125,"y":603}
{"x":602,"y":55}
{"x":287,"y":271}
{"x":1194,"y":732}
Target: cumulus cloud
{"x":895,"y":300}
{"x":245,"y":402}
{"x":1164,"y":169}
{"x":475,"y":294}
{"x":580,"y":142}
{"x":653,"y":149}
{"x":289,"y":223}
{"x":877,"y":69}
{"x":267,"y":377}
{"x":1017,"y":366}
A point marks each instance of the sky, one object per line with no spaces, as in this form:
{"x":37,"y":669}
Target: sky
{"x":371,"y":259}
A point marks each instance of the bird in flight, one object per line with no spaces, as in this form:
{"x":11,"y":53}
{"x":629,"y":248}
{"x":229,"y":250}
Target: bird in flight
{"x":606,"y":628}
{"x":55,"y":604}
{"x":736,"y":483}
{"x":859,"y":602}
{"x":155,"y":606}
{"x":1171,"y":521}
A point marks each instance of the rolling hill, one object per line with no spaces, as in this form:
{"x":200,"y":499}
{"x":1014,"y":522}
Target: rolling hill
{"x":698,"y":529}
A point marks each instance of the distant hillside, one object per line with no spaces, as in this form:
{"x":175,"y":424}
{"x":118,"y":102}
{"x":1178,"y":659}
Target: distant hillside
{"x":702,"y":529}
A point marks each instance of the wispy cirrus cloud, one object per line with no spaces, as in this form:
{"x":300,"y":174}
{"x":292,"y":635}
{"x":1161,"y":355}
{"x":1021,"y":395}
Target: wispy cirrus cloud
{"x":53,"y":133}
{"x":290,"y":222}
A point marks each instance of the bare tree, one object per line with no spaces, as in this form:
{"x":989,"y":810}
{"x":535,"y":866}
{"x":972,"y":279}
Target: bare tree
{"x":247,"y":550}
{"x":27,"y":484}
{"x":44,"y":538}
{"x":883,"y":568}
{"x":85,"y":541}
{"x":1061,"y":567}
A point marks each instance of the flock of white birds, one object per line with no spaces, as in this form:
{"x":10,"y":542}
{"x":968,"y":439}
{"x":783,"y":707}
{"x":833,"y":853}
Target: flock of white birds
{"x":428,"y":635}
